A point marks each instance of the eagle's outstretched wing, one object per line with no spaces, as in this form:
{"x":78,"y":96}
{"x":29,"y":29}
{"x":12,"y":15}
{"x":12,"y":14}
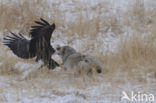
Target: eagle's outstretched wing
{"x":41,"y":28}
{"x":41,"y":34}
{"x":19,"y":45}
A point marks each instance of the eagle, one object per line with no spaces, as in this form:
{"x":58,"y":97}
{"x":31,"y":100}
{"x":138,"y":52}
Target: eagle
{"x":38,"y":46}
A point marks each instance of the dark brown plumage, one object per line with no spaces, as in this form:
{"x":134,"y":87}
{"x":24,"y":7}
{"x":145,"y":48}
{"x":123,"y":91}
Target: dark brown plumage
{"x":39,"y":45}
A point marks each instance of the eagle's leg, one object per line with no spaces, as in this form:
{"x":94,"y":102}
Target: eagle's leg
{"x":52,"y":64}
{"x":35,"y":67}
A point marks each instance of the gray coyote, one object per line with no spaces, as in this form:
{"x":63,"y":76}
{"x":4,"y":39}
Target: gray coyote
{"x":77,"y":62}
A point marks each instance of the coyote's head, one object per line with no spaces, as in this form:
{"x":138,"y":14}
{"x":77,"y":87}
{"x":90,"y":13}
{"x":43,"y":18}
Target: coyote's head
{"x":64,"y":51}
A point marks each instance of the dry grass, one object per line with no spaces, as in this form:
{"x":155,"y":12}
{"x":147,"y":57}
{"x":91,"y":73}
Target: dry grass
{"x":19,"y":15}
{"x":131,"y":51}
{"x":133,"y":61}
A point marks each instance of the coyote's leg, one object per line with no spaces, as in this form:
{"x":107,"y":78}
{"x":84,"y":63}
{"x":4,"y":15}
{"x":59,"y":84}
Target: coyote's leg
{"x":35,"y":67}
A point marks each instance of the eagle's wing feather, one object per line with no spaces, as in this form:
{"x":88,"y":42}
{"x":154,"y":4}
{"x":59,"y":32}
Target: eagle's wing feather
{"x":19,"y":45}
{"x":40,"y":23}
{"x":37,"y":30}
{"x":44,"y":21}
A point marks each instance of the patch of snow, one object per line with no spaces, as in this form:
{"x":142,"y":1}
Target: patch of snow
{"x":33,"y":68}
{"x":20,"y":66}
{"x":69,"y":99}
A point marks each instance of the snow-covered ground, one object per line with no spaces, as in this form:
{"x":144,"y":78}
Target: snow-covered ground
{"x":64,"y":89}
{"x":59,"y":87}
